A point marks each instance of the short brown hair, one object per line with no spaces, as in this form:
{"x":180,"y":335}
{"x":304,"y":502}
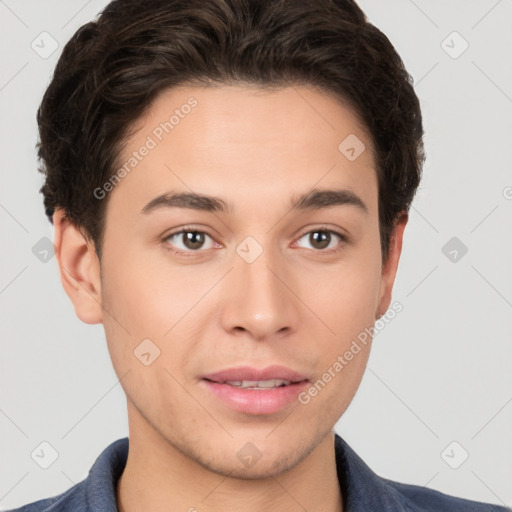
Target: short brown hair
{"x":111,"y":70}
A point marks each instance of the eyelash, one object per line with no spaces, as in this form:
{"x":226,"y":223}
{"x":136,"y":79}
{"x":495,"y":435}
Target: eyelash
{"x":191,"y":229}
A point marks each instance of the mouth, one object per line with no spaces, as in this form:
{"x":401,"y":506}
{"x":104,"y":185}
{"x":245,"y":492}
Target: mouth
{"x":253,"y":391}
{"x":256,"y":384}
{"x":270,"y":376}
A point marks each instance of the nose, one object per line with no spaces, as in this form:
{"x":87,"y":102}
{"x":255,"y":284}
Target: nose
{"x":259,"y":302}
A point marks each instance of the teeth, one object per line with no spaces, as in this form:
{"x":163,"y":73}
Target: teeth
{"x":258,"y":384}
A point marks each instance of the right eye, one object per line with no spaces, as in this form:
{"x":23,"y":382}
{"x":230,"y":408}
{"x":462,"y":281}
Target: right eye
{"x":191,"y":241}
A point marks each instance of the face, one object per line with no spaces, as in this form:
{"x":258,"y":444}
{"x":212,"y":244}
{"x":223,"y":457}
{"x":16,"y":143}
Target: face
{"x":265,"y":283}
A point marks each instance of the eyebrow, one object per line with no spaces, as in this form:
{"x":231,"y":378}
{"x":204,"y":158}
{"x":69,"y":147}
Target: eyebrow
{"x":316,"y":199}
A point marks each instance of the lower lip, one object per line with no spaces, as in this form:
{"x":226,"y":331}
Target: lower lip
{"x":256,"y":401}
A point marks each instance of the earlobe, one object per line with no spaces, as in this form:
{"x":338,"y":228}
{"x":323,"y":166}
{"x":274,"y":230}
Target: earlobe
{"x":390,"y":266}
{"x":79,"y":269}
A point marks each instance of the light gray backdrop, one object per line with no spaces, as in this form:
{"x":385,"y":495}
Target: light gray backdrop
{"x":435,"y":406}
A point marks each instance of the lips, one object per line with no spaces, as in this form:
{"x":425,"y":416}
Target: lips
{"x":258,"y":384}
{"x":255,"y":391}
{"x":247,"y":373}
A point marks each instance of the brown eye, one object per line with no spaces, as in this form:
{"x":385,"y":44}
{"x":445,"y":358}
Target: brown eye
{"x":193,"y":239}
{"x":188,"y":240}
{"x":323,"y":239}
{"x":320,"y":239}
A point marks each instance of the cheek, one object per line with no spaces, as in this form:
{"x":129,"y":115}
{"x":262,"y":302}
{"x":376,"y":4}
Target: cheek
{"x":143,"y":333}
{"x":148,"y":297}
{"x":148,"y":300}
{"x":346,"y":304}
{"x":344,"y":297}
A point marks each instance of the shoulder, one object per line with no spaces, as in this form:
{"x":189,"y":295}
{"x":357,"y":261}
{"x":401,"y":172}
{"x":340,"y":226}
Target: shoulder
{"x":423,"y":499}
{"x":72,"y":500}
{"x":364,"y":490}
{"x":96,"y":492}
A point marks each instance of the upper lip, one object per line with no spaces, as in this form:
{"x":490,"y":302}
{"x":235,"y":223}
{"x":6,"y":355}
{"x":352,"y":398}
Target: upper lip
{"x":241,"y":373}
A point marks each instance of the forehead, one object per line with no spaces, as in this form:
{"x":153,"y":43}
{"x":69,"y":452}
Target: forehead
{"x":245,"y":142}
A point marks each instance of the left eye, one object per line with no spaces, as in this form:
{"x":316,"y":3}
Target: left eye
{"x":321,"y":238}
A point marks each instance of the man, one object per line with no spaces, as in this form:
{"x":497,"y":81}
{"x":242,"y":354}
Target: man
{"x":229,"y":183}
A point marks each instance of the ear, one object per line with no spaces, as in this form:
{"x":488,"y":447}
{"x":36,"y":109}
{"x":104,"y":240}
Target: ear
{"x":390,"y":265}
{"x":79,"y":268}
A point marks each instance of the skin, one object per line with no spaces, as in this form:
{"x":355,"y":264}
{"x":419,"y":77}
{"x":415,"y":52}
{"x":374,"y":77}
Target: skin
{"x":210,"y":309}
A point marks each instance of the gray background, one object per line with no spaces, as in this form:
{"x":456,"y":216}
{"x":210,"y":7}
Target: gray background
{"x":439,"y":372}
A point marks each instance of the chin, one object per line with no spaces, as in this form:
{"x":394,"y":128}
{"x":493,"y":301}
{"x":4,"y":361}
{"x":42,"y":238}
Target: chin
{"x":251,"y":460}
{"x":269,"y":465}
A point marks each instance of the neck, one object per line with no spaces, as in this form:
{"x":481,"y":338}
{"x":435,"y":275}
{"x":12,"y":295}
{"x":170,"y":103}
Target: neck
{"x":158,"y":477}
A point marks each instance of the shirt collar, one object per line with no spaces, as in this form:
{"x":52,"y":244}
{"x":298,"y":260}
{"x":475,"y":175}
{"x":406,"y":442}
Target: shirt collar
{"x":103,"y":476}
{"x":361,"y":488}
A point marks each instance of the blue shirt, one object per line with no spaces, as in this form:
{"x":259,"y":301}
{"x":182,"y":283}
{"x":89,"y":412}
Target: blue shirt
{"x":362,"y":489}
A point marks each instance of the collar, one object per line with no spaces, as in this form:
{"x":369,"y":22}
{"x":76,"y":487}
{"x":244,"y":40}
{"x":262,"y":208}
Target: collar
{"x":362,"y":490}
